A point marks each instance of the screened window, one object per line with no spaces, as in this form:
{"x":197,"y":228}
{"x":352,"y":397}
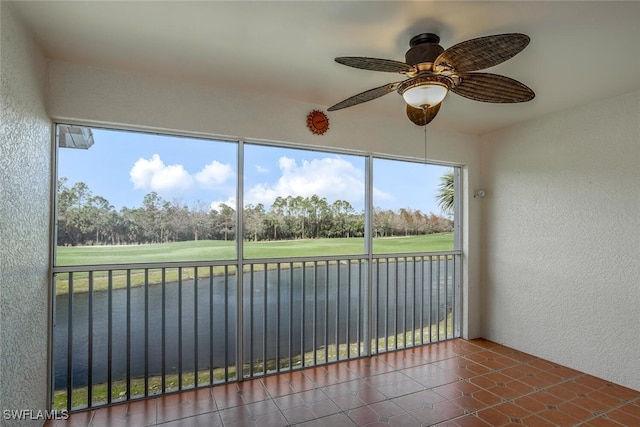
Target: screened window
{"x":308,"y":200}
{"x":130,"y":197}
{"x":413,"y":207}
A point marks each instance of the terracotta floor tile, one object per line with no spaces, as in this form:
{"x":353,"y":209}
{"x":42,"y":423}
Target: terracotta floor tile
{"x":532,"y":405}
{"x":353,"y":394}
{"x":470,"y":421}
{"x":591,"y":382}
{"x":78,"y":419}
{"x":632,"y":408}
{"x":494,"y":417}
{"x":558,"y":417}
{"x":481,"y":356}
{"x":400,"y":388}
{"x":438,"y":379}
{"x":455,"y":383}
{"x":381,"y":412}
{"x":386,"y":378}
{"x":303,"y":399}
{"x":403,"y":420}
{"x":486,"y":397}
{"x":546,"y":398}
{"x":368,"y":366}
{"x":483,"y":381}
{"x":541,"y":364}
{"x":387,"y":409}
{"x":433,"y":353}
{"x":601,"y":422}
{"x":490,"y":380}
{"x":477,"y":369}
{"x":328,"y":375}
{"x":334,"y":420}
{"x":211,"y":419}
{"x":536,"y":421}
{"x":310,"y":411}
{"x":452,"y":362}
{"x":568,"y":390}
{"x":235,"y":394}
{"x":574,"y":411}
{"x":424,"y":370}
{"x":287,"y":383}
{"x":623,"y":417}
{"x":262,"y":412}
{"x":550,"y":378}
{"x":594,"y":406}
{"x":110,"y":415}
{"x":511,"y":390}
{"x":457,"y":389}
{"x":441,"y":411}
{"x":419,"y":400}
{"x":402,"y":359}
{"x":605,"y":398}
{"x":483,"y":343}
{"x":620,"y":392}
{"x":468,"y":403}
{"x":515,"y":372}
{"x":184,"y":405}
{"x":460,"y":373}
{"x":540,"y":380}
{"x":512,"y":411}
{"x":564,"y":372}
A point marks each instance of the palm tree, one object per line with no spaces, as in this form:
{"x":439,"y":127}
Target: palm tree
{"x":445,"y":196}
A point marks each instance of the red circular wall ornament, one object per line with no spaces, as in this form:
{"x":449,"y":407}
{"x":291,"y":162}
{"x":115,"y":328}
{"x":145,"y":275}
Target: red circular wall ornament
{"x":317,"y":122}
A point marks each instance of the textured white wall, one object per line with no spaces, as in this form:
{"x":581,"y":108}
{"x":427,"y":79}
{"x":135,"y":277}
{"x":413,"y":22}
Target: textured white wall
{"x":85,"y":94}
{"x":25,"y":164}
{"x":562,"y":238}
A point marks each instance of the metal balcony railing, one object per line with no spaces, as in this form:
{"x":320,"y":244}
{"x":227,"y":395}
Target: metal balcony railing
{"x":123,"y":332}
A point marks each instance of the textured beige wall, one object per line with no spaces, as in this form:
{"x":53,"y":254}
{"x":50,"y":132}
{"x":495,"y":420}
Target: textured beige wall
{"x":25,"y":164}
{"x":562,"y":242}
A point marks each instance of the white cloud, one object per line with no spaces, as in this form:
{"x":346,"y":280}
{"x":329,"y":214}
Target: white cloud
{"x":174,"y":180}
{"x":217,"y":205}
{"x":152,"y":174}
{"x":330,"y":177}
{"x":213,"y":174}
{"x":261,"y":169}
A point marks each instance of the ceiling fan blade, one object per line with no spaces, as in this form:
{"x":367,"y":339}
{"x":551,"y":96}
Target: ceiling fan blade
{"x":365,"y":96}
{"x":375,"y":64}
{"x":417,"y":116}
{"x":495,"y":88}
{"x":483,"y":52}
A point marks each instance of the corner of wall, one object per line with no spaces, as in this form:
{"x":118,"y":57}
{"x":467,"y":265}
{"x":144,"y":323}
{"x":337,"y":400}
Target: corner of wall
{"x":25,"y":183}
{"x":563,"y":193}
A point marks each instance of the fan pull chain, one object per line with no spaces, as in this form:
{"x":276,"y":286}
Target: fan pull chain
{"x":425,"y":134}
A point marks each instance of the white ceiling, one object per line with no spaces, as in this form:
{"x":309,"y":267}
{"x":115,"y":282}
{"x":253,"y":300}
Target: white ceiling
{"x":580,"y":52}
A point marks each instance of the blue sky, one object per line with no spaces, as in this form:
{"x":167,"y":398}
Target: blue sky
{"x":124,"y":166}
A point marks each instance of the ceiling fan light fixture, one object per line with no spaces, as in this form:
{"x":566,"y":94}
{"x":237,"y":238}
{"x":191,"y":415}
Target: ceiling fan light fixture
{"x":426,"y":94}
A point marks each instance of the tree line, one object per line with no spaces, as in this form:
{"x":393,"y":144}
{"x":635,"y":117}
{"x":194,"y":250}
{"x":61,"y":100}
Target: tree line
{"x":88,"y":219}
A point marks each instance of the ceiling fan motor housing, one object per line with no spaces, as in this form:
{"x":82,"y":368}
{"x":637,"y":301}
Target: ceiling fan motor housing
{"x":424,"y":48}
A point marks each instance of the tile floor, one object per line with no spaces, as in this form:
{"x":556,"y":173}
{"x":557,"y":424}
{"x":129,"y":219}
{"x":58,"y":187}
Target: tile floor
{"x":453,"y":383}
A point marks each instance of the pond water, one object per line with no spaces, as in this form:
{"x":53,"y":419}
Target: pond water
{"x":199,"y":319}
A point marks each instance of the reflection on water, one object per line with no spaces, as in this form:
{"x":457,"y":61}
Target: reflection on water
{"x":329,"y":307}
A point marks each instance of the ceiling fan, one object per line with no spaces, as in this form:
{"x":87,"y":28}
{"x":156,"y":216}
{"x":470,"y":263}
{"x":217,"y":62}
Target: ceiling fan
{"x":432,"y":72}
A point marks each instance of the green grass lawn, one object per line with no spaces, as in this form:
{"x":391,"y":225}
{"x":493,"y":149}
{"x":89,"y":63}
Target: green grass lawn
{"x":207,"y":250}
